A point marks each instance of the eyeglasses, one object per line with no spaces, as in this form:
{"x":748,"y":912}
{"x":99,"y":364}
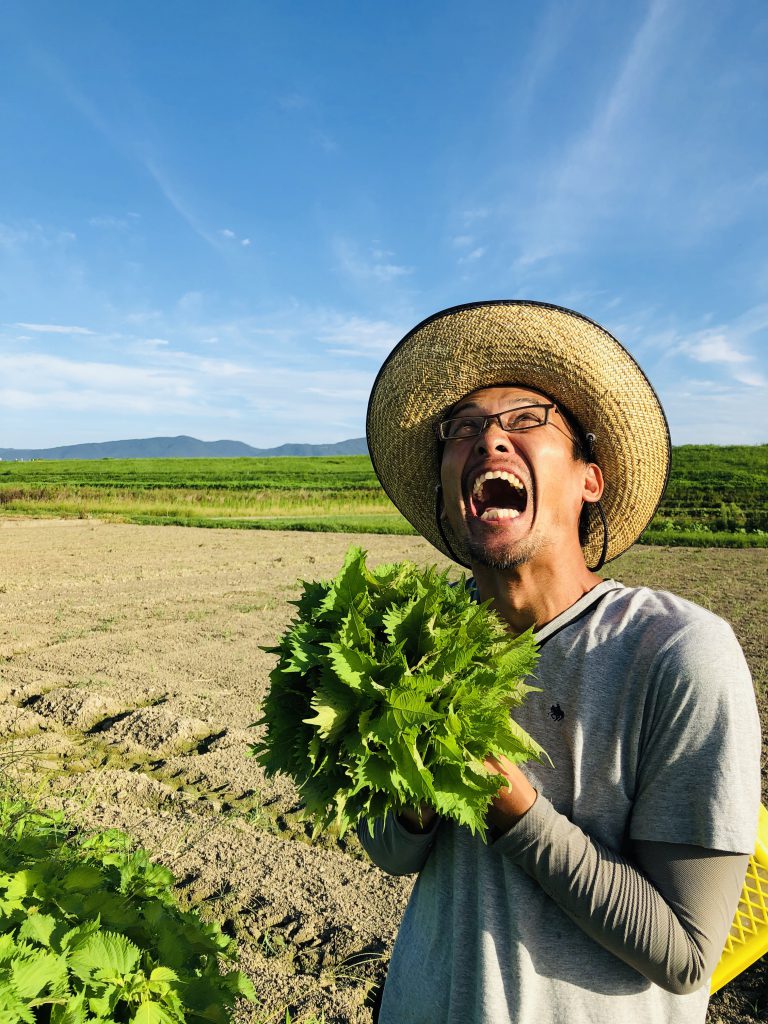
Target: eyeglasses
{"x":524,"y":417}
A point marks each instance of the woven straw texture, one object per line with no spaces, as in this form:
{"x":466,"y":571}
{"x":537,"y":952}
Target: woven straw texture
{"x":550,"y":349}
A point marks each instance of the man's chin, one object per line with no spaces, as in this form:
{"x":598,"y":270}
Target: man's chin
{"x":500,"y":558}
{"x":500,"y":552}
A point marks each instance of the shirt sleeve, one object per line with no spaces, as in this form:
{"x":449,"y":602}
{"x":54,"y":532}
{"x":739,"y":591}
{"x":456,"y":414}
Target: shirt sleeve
{"x":393,"y":848}
{"x":698,"y":778}
{"x":666,"y":913}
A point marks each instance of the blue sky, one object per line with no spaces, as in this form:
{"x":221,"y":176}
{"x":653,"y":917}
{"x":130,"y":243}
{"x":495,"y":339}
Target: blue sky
{"x":217,"y":219}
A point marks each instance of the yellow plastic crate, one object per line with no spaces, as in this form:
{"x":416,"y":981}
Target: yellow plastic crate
{"x":748,"y":938}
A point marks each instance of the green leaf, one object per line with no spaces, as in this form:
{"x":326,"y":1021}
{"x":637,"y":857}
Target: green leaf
{"x":70,"y":1012}
{"x":238,"y":984}
{"x":417,"y":627}
{"x":105,"y":953}
{"x":152,"y":1013}
{"x":303,"y":651}
{"x":348,"y":586}
{"x":23,"y":883}
{"x":455,"y":798}
{"x":328,"y":720}
{"x":31,"y":976}
{"x":7,"y":948}
{"x":393,"y":618}
{"x":80,"y":934}
{"x":446,"y":747}
{"x":163,"y":974}
{"x":518,"y":746}
{"x":38,"y":928}
{"x":354,"y":668}
{"x":354,"y":633}
{"x":417,"y":708}
{"x":84,"y":878}
{"x":377,"y":772}
{"x":410,"y":765}
{"x":13,"y":1010}
{"x":100,"y":1007}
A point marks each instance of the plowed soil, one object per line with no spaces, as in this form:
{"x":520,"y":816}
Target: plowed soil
{"x":131,"y":670}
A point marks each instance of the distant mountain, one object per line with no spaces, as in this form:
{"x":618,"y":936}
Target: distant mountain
{"x":180,"y":448}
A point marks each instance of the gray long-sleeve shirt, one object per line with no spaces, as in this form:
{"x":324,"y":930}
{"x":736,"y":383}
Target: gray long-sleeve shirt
{"x":591,"y":908}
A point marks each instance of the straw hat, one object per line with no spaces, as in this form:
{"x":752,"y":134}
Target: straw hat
{"x":571,"y":359}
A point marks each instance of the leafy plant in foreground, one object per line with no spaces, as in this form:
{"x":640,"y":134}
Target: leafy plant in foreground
{"x":390,"y":688}
{"x":89,"y":931}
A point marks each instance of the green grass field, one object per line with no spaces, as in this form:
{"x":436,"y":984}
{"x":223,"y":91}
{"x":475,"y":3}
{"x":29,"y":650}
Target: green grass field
{"x":717,"y":496}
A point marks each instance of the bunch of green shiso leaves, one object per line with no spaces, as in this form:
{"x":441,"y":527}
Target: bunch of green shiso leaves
{"x":391,"y":687}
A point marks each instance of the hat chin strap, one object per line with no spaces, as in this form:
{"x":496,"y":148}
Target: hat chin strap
{"x":439,"y":520}
{"x":604,"y":552}
{"x":590,"y":439}
{"x":455,"y":557}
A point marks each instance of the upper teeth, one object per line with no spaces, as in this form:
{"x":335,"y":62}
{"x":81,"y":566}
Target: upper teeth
{"x":496,"y":474}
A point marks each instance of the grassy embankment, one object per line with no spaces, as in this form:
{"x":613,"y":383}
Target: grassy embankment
{"x":717,"y":496}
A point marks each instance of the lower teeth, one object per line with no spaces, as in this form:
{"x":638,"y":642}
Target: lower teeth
{"x":500,"y":513}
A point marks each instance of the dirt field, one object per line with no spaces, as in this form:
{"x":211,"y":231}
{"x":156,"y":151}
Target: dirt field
{"x":130,"y":671}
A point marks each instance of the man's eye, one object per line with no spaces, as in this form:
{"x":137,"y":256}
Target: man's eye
{"x":522,"y":420}
{"x":464,"y":427}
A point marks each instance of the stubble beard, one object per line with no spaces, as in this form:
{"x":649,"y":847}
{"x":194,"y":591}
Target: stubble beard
{"x":504,"y":560}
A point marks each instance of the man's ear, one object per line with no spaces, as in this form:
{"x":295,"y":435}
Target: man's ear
{"x":594,"y":485}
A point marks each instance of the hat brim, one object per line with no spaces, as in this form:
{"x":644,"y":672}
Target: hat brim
{"x":543,"y":347}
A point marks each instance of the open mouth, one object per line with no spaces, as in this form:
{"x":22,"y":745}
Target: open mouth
{"x":497,"y":494}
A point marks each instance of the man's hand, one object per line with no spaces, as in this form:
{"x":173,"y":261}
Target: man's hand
{"x":417,"y":821}
{"x":514,"y":799}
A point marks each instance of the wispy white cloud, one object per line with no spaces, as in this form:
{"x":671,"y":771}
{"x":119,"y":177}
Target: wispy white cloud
{"x":170,"y":190}
{"x":122,"y":140}
{"x":474,"y":255}
{"x":713,"y":348}
{"x":110,"y":222}
{"x":174,"y":380}
{"x":751,"y":378}
{"x":473,"y":214}
{"x":734,"y":345}
{"x":471,"y":250}
{"x":17,"y":237}
{"x":376,"y":264}
{"x":724,"y":408}
{"x":53,"y":328}
{"x":53,"y":68}
{"x":231,"y":235}
{"x":37,"y":380}
{"x":577,"y":189}
{"x":326,"y":142}
{"x":553,"y":32}
{"x":704,"y":411}
{"x":150,"y":344}
{"x":357,"y":336}
{"x":191,"y":390}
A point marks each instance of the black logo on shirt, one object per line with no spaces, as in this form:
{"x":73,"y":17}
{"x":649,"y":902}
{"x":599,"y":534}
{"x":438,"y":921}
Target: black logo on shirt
{"x":556,"y":713}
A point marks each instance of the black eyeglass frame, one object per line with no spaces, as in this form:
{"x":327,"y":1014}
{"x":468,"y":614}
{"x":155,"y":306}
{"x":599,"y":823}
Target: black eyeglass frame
{"x":496,"y":416}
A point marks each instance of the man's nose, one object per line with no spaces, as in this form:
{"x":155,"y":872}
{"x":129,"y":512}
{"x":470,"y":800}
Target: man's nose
{"x":493,"y":439}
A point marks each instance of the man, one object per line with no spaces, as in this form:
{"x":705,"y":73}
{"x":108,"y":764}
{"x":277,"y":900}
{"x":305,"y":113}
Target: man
{"x":522,"y":440}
